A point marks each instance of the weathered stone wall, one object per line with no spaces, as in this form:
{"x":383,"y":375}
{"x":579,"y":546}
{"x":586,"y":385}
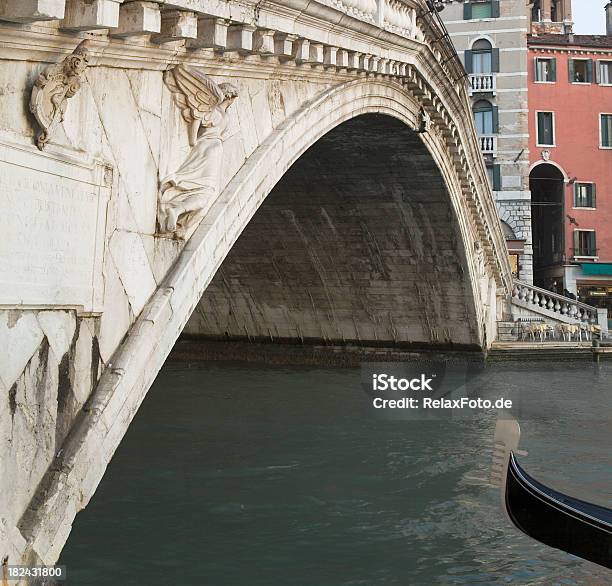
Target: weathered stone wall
{"x":125,"y":121}
{"x":358,"y":243}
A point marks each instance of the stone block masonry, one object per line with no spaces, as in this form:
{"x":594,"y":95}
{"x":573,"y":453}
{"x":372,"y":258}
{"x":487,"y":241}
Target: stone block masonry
{"x":353,"y":246}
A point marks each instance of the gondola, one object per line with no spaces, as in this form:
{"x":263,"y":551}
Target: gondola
{"x":555,"y":519}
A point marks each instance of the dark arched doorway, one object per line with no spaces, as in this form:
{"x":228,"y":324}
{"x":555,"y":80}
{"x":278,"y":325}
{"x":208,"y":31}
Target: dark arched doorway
{"x":547,"y":212}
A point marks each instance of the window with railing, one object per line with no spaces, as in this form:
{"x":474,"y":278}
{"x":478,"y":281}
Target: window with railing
{"x":585,"y":243}
{"x":482,"y":63}
{"x":485,"y":117}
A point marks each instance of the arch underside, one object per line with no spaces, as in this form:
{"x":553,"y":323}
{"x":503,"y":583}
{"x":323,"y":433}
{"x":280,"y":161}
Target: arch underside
{"x":357,"y":243}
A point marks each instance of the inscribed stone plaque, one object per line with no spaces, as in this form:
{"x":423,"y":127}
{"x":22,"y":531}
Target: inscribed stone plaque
{"x":52,"y":229}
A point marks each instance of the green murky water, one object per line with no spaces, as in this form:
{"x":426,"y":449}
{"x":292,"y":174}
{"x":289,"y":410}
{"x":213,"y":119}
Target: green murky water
{"x":252,"y":475}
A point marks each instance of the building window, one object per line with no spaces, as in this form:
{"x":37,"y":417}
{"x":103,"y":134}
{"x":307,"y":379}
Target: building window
{"x":546,"y":70}
{"x":580,"y":70}
{"x":604,"y":73}
{"x":546,"y":128}
{"x":494,"y":176}
{"x":584,"y":243}
{"x":485,"y":117}
{"x":482,"y":58}
{"x":584,"y":195}
{"x":606,"y":131}
{"x":481,"y":9}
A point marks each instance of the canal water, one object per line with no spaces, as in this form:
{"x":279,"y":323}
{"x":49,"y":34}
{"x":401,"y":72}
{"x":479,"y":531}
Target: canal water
{"x":238,"y":474}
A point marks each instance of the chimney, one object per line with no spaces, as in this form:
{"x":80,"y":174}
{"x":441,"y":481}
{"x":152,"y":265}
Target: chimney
{"x":609,"y":18}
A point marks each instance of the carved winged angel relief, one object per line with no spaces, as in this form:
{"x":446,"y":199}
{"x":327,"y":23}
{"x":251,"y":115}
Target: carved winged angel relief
{"x":187,"y":194}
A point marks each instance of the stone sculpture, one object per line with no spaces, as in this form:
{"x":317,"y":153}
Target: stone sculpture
{"x":186,"y":195}
{"x":424,"y":120}
{"x":52,"y":89}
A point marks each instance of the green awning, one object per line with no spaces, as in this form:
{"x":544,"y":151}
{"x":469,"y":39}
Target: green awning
{"x":596,"y":268}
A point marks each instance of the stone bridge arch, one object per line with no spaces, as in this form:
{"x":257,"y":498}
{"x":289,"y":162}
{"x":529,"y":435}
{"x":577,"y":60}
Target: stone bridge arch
{"x":247,"y":191}
{"x":134,"y":366}
{"x":331,"y":69}
{"x":398,"y":248}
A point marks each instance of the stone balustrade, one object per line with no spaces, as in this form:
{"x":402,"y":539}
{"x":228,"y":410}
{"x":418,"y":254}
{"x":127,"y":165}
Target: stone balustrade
{"x":564,"y":307}
{"x":483,"y":83}
{"x":202,"y":25}
{"x":488,"y":144}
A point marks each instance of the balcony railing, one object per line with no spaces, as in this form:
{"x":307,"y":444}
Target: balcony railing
{"x":483,"y":83}
{"x":488,"y":144}
{"x":541,"y":298}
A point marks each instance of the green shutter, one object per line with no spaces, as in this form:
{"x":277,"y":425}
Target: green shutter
{"x":576,"y":242}
{"x":467,"y":11}
{"x":495,"y":119}
{"x":605,"y":130}
{"x":553,"y":69}
{"x":535,"y":69}
{"x":570,"y":70}
{"x":540,"y":129}
{"x":576,"y":194}
{"x":468,"y":61}
{"x":594,"y":192}
{"x":589,"y":71}
{"x":495,"y":61}
{"x":495,"y":9}
{"x":496,"y":177}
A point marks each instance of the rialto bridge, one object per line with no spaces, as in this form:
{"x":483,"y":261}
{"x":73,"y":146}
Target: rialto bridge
{"x":286,"y":170}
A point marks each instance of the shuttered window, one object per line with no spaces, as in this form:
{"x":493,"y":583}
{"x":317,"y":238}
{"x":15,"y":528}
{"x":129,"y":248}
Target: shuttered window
{"x":584,"y":195}
{"x":606,"y":131}
{"x":479,"y":9}
{"x":546,"y":129}
{"x":546,"y":69}
{"x":580,"y":70}
{"x":585,"y":243}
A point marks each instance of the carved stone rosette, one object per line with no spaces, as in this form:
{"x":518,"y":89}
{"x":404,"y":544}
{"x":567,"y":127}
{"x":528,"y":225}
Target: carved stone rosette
{"x":52,"y":89}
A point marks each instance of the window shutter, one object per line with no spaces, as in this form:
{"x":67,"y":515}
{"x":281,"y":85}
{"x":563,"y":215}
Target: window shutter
{"x":496,"y":177}
{"x":594,"y":196}
{"x":495,"y":9}
{"x":598,"y":72}
{"x":495,"y":61}
{"x":589,"y":71}
{"x":495,"y":119}
{"x":553,"y":69}
{"x":576,"y":242}
{"x":570,"y":70}
{"x":605,"y":127}
{"x":467,"y":11}
{"x":576,"y":195}
{"x":535,"y":69}
{"x":468,"y":61}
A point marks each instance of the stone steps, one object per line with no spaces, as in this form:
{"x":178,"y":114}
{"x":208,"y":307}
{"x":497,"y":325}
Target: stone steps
{"x":507,"y":331}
